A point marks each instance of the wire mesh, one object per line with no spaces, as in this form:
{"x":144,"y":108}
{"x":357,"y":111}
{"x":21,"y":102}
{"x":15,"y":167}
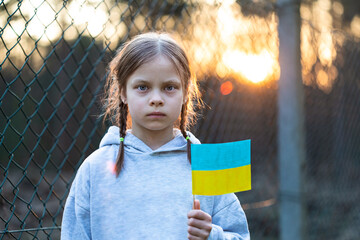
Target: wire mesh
{"x":53,"y":57}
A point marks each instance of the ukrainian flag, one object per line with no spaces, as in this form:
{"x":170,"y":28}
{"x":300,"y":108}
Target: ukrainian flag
{"x":220,"y":168}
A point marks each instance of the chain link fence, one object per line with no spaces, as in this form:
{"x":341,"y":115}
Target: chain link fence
{"x":53,"y":57}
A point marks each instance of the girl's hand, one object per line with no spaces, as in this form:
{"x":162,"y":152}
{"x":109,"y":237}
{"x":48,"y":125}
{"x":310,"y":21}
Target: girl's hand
{"x":199,"y":223}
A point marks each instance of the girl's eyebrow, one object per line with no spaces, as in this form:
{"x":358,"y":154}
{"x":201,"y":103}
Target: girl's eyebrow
{"x":170,"y":81}
{"x":137,"y":81}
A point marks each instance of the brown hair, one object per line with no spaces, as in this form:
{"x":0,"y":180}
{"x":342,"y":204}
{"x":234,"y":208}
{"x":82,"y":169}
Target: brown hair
{"x":142,"y":49}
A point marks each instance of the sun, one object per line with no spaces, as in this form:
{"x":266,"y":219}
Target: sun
{"x":254,"y":67}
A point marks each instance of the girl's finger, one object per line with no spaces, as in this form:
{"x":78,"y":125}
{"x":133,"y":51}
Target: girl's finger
{"x":196,"y":204}
{"x":198,"y":214}
{"x":196,"y":232}
{"x":200,"y":224}
{"x":191,"y":237}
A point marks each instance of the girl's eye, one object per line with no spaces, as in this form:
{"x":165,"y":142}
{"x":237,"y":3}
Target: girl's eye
{"x":169,"y":88}
{"x":142,"y":88}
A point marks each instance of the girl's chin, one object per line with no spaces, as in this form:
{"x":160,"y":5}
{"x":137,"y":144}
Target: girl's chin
{"x":152,"y":127}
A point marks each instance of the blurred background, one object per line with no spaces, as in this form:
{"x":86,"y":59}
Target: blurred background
{"x":53,"y":63}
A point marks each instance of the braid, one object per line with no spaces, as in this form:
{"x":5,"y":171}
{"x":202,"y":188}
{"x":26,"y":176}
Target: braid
{"x":183,"y":130}
{"x":123,"y":112}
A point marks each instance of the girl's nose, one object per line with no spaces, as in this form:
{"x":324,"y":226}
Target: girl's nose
{"x":156,"y":100}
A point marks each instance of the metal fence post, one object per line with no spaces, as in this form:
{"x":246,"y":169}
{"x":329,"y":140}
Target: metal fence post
{"x":290,"y":123}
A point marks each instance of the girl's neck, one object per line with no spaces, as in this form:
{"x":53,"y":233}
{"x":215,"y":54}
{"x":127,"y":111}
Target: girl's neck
{"x":154,"y":139}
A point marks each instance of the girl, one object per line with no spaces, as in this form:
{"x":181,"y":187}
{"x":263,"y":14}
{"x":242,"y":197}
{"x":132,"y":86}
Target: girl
{"x":137,"y":185}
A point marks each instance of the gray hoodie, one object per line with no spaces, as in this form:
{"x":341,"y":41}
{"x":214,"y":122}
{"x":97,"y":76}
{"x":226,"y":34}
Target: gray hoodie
{"x":149,"y":200}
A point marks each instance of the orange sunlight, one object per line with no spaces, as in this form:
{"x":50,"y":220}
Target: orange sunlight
{"x":225,"y":42}
{"x":220,"y":40}
{"x":254,"y":67}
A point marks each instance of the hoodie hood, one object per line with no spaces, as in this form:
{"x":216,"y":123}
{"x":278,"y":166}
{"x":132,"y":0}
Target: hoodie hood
{"x":135,"y":145}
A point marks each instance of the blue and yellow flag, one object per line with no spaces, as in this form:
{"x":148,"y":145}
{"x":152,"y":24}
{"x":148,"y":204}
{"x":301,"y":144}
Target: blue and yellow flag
{"x":220,"y":168}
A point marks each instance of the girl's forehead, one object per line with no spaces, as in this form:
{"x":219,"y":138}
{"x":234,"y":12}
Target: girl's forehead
{"x":161,"y":68}
{"x":161,"y":61}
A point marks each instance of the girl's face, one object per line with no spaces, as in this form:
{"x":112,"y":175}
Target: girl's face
{"x":154,"y":94}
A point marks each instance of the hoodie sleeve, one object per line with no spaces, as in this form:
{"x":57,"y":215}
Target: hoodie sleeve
{"x":76,"y":216}
{"x":229,"y":220}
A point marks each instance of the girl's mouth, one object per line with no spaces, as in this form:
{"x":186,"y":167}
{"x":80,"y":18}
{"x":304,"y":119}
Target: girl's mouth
{"x":156,"y":114}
